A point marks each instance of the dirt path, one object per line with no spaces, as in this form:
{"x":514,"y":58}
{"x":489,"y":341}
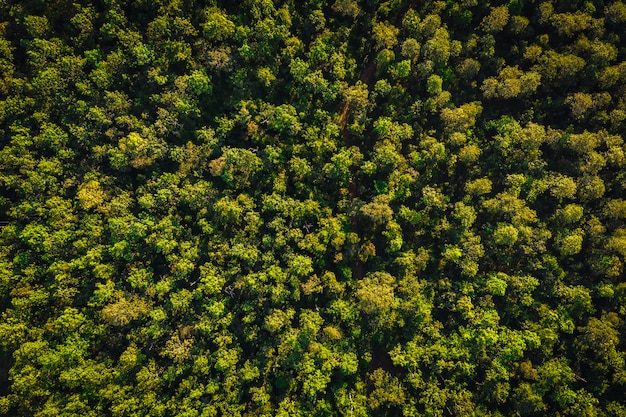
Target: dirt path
{"x":366,"y":77}
{"x":368,"y":73}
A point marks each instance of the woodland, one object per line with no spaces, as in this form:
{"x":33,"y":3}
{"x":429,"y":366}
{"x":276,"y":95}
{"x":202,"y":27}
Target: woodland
{"x":312,"y":208}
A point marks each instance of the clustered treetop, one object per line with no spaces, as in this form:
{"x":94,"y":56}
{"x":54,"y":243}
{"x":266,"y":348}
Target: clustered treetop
{"x":310,"y":208}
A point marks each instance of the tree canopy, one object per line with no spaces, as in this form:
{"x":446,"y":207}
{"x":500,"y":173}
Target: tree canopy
{"x":312,"y":208}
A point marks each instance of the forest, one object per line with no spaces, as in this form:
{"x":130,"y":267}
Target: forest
{"x":312,"y":208}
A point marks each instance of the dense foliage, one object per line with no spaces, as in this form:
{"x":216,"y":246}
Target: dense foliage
{"x":311,"y":208}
